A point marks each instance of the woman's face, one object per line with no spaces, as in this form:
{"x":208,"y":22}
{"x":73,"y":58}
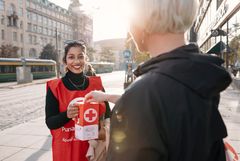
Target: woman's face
{"x":75,"y":60}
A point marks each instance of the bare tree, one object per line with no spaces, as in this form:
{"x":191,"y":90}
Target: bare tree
{"x":9,"y":51}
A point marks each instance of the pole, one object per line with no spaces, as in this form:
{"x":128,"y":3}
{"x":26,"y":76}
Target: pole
{"x":227,"y":51}
{"x":221,"y":53}
{"x":57,"y":57}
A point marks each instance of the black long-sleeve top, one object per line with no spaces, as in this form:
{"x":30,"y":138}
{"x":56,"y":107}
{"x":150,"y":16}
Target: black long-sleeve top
{"x":56,"y":119}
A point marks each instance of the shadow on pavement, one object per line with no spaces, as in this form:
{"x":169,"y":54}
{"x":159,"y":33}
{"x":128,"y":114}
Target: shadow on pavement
{"x":35,"y":156}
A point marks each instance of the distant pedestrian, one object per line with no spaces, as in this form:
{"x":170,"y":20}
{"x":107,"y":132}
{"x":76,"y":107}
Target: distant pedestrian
{"x":62,"y":107}
{"x":129,"y":73}
{"x":90,"y":71}
{"x":170,"y":112}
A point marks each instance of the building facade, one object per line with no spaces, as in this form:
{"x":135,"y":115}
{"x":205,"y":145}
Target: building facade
{"x":31,"y":24}
{"x":218,"y":28}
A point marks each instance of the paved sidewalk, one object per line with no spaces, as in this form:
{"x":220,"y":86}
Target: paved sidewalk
{"x":230,"y":111}
{"x":26,"y":142}
{"x":31,"y":141}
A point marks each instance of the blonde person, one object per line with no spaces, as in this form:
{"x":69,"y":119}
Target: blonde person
{"x":170,"y":112}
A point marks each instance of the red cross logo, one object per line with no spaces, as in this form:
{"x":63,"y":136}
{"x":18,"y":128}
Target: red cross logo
{"x":90,"y":115}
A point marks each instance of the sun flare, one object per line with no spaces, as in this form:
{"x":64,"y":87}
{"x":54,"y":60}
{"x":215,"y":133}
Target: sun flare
{"x":112,"y":19}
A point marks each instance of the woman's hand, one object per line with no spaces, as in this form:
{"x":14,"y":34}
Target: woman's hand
{"x":96,"y":96}
{"x":72,"y":110}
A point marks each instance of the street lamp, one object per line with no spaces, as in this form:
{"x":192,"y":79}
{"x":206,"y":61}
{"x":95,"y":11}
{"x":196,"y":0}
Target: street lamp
{"x":220,"y":32}
{"x":57,"y":54}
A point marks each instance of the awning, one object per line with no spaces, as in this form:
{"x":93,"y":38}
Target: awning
{"x":217,"y":48}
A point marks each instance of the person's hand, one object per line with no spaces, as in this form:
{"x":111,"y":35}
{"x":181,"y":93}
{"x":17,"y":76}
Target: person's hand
{"x":102,"y":131}
{"x":72,"y":110}
{"x":96,"y":96}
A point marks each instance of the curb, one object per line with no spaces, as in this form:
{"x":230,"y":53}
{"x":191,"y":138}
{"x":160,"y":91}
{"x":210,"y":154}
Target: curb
{"x":15,"y":85}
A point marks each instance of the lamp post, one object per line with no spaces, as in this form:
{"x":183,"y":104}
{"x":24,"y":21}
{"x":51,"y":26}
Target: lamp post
{"x":57,"y":54}
{"x":227,"y":49}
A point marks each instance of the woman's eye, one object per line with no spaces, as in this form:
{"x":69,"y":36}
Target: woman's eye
{"x":70,"y":57}
{"x":81,"y":57}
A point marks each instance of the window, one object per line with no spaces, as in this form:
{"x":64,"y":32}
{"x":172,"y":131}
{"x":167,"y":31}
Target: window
{"x":40,"y":29}
{"x":2,"y":21}
{"x":51,"y":23}
{"x":20,"y":2}
{"x":50,"y":32}
{"x":20,"y":11}
{"x":29,"y":27}
{"x":28,"y":3}
{"x":3,"y":35}
{"x":21,"y":37}
{"x":33,"y":53}
{"x":30,"y":39}
{"x":34,"y":28}
{"x":21,"y":24}
{"x":29,"y":15}
{"x":15,"y":36}
{"x":41,"y":41}
{"x":2,"y":5}
{"x":219,"y":2}
{"x":40,"y":19}
{"x":15,"y":22}
{"x":34,"y":17}
{"x":44,"y":31}
{"x":45,"y":41}
{"x":12,"y":9}
{"x":54,"y":24}
{"x":21,"y":52}
{"x":34,"y":39}
{"x":44,"y":20}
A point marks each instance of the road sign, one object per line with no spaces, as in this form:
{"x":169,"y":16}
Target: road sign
{"x":127,"y":53}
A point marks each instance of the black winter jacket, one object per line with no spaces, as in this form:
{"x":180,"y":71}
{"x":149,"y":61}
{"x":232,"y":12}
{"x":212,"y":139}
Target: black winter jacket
{"x":170,"y":112}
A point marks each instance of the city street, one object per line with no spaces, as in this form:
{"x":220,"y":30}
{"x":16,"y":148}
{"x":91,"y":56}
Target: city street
{"x":18,"y":105}
{"x":43,"y":39}
{"x":31,"y":140}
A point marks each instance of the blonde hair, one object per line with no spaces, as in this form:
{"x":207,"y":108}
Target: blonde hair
{"x":164,"y":16}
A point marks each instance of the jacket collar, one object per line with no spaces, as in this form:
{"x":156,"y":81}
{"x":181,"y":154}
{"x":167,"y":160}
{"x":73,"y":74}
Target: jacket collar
{"x":182,"y":52}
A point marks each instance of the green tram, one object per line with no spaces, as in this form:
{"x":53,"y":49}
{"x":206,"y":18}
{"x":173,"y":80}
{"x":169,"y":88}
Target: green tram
{"x":102,"y":67}
{"x":40,"y":68}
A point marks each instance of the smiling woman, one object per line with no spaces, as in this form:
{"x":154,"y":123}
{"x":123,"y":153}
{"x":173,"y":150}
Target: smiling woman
{"x":61,"y":106}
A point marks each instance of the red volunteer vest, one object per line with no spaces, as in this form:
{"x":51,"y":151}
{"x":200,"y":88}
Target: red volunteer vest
{"x":64,"y":145}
